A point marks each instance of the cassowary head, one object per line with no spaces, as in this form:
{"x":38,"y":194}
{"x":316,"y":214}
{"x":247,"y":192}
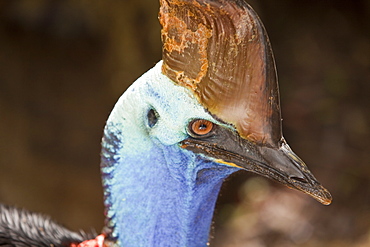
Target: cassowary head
{"x":209,"y":109}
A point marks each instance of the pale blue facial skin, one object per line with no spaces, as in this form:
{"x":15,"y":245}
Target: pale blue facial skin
{"x":157,"y":193}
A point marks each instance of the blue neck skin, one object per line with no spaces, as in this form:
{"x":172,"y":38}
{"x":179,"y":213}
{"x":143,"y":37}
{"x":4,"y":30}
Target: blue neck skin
{"x":156,"y":193}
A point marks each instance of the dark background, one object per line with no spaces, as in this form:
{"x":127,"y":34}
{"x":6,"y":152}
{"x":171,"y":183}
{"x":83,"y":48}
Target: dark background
{"x":63,"y":65}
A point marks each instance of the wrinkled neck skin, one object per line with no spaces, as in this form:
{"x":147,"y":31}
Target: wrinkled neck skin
{"x":156,"y":193}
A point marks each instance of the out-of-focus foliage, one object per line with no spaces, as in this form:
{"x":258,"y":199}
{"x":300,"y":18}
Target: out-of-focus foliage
{"x":63,"y":64}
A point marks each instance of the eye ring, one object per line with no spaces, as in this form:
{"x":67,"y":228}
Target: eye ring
{"x":200,"y":128}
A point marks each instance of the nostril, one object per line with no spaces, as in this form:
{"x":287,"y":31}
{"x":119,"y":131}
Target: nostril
{"x":299,"y":179}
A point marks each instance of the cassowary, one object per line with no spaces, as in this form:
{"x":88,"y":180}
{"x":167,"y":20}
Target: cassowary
{"x":208,"y":109}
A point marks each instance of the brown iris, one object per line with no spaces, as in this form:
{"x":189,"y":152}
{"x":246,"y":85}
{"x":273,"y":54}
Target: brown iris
{"x":200,"y":127}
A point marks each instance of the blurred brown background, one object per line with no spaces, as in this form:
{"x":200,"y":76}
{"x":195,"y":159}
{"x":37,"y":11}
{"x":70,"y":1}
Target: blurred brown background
{"x":63,"y":64}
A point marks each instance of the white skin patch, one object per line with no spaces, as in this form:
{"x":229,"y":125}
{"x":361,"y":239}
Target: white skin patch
{"x":175,"y":105}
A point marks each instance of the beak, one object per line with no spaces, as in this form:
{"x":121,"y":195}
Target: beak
{"x":286,"y":167}
{"x":277,"y":163}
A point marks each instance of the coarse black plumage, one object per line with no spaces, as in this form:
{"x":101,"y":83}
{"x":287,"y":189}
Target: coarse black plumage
{"x":21,"y":228}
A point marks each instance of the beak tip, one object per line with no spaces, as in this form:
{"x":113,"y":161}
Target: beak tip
{"x":327,"y":201}
{"x":323,"y":196}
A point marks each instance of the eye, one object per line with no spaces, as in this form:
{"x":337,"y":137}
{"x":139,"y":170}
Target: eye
{"x":200,"y":128}
{"x":152,"y":117}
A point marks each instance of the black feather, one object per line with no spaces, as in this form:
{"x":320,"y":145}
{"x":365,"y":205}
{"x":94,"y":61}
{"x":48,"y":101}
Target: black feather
{"x":21,"y":228}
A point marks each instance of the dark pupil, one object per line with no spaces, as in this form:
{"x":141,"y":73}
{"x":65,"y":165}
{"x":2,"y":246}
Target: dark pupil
{"x":202,"y":126}
{"x":152,"y":118}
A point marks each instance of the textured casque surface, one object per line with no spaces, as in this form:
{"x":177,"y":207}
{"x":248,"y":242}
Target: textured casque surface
{"x":220,"y":50}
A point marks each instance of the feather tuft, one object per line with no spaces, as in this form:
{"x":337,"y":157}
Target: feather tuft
{"x":21,"y":228}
